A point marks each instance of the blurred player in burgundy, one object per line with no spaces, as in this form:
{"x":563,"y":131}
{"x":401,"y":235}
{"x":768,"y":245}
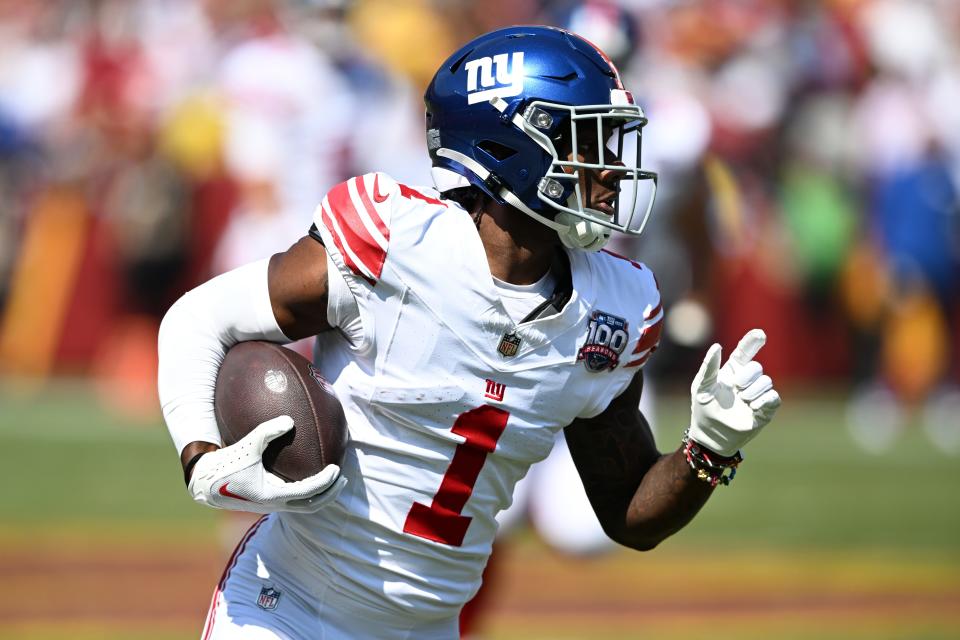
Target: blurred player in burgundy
{"x":462,"y":328}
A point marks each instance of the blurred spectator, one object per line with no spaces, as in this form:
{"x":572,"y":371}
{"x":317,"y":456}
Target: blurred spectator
{"x":809,"y":160}
{"x":809,"y":157}
{"x":287,"y":111}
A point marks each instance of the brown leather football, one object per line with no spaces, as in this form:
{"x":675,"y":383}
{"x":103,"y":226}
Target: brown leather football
{"x":261,"y":380}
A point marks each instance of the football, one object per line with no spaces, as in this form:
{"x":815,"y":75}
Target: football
{"x":261,"y":380}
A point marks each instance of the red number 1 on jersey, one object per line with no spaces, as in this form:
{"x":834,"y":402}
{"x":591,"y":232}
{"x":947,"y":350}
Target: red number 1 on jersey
{"x":442,"y":521}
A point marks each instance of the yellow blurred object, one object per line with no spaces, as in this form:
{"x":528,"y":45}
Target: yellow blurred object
{"x":702,"y":32}
{"x":915,"y":345}
{"x":43,"y":283}
{"x":193,"y":135}
{"x":727,"y":203}
{"x":410,"y":38}
{"x":864,"y":286}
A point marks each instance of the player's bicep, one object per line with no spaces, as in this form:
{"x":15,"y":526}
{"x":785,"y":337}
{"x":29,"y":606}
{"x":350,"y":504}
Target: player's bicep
{"x":299,"y":289}
{"x":612,"y":452}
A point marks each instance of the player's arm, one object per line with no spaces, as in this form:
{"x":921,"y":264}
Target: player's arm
{"x":640,"y":496}
{"x":278,"y":300}
{"x":297,"y":289}
{"x":299,"y":286}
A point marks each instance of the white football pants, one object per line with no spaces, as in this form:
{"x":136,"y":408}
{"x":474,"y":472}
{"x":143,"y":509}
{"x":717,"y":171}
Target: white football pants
{"x":262,"y":596}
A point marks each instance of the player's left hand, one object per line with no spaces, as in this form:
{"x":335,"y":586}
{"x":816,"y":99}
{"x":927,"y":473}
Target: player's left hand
{"x":234,"y":477}
{"x":731,"y":404}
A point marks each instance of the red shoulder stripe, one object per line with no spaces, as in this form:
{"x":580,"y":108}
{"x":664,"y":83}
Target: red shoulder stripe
{"x":328,"y":223}
{"x":649,"y":341}
{"x":355,"y":234}
{"x":368,"y":205}
{"x":408,"y":192}
{"x":617,"y":255}
{"x":654,"y":312}
{"x":649,"y":338}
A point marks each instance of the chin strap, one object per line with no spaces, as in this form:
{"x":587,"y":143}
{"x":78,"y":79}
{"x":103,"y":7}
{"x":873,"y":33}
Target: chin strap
{"x":574,"y":232}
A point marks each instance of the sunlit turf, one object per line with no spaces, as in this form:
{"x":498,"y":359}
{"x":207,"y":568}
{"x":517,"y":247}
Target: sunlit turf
{"x":78,"y":465}
{"x":808,"y":514}
{"x":90,"y":632}
{"x":803,"y":483}
{"x":784,"y":628}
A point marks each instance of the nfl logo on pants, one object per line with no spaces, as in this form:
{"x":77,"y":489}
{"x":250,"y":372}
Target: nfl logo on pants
{"x":269,"y":597}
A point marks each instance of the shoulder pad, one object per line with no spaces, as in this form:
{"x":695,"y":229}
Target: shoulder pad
{"x":355,"y":217}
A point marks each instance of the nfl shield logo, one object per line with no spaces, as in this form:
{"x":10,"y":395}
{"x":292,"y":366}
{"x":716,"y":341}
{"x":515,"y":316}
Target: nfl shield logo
{"x":269,"y":597}
{"x":509,"y":344}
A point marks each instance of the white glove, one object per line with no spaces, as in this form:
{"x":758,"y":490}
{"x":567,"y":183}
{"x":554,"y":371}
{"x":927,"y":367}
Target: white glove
{"x":731,"y":404}
{"x":234,"y":477}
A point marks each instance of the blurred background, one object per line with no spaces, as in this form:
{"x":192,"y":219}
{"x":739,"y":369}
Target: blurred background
{"x":809,"y":155}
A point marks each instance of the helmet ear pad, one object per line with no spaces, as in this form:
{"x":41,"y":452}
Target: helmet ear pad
{"x":580,"y":233}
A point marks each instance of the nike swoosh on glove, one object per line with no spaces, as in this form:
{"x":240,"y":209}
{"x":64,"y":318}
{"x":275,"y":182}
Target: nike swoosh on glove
{"x":234,"y":477}
{"x":731,"y":404}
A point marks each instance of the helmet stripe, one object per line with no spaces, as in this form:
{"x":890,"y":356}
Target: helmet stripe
{"x":606,"y":58}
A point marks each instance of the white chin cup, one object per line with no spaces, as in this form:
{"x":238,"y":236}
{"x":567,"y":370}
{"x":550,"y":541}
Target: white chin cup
{"x":580,"y":233}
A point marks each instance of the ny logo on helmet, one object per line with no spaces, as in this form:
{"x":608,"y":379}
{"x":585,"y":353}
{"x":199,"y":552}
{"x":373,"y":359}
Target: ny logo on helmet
{"x":507,"y":82}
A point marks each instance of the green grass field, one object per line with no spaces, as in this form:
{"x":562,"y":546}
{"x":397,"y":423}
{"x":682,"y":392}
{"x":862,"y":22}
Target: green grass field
{"x":813,"y":540}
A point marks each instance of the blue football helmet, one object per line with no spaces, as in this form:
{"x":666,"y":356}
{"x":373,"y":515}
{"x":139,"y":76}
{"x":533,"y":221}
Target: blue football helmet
{"x":504,"y":113}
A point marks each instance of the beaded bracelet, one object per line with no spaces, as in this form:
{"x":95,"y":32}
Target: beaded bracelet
{"x":709,"y":466}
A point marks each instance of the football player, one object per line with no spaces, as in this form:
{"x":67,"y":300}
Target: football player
{"x":462,"y":328}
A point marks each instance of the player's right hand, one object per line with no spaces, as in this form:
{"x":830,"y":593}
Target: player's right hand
{"x":234,"y":477}
{"x":732,"y":403}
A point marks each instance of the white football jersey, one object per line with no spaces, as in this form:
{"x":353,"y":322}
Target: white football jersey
{"x":448,"y":402}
